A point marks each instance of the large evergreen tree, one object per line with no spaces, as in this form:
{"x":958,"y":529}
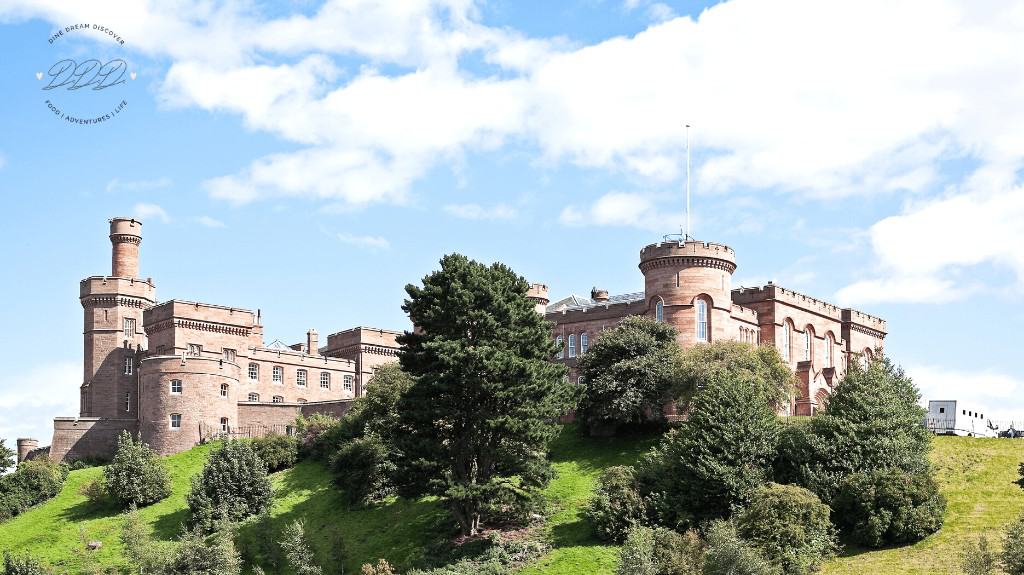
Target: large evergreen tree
{"x":6,"y":457}
{"x":476,"y":424}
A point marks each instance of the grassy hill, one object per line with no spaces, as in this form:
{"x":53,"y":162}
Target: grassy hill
{"x":976,"y":475}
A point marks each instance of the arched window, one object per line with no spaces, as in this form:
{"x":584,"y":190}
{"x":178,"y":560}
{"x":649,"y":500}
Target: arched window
{"x":223,"y":390}
{"x":254,"y":397}
{"x":808,"y":343}
{"x":787,"y":340}
{"x":659,"y":311}
{"x":561,"y":349}
{"x":300,"y":400}
{"x":572,"y":345}
{"x":584,"y":343}
{"x":828,"y":350}
{"x":702,"y":320}
{"x":278,"y":399}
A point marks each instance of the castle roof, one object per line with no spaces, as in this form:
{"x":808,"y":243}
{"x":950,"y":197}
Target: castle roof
{"x":575,"y":302}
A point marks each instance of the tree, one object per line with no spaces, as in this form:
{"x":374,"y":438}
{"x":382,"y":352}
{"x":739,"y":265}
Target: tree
{"x":616,"y":506}
{"x":1012,"y":557}
{"x":297,"y":550}
{"x":722,"y":360}
{"x":978,"y":558}
{"x":7,"y":456}
{"x":873,"y":422}
{"x":730,"y":554}
{"x":790,"y":526}
{"x":476,"y":424}
{"x":232,"y":486}
{"x":717,"y":459}
{"x":889,"y":506}
{"x":627,"y":374}
{"x":24,"y":564}
{"x":136,"y":476}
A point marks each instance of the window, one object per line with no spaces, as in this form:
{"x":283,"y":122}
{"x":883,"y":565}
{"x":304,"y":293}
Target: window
{"x":572,"y":345}
{"x":223,"y":390}
{"x":300,"y":400}
{"x":300,"y":378}
{"x":277,"y":375}
{"x":965,"y":412}
{"x":176,"y":387}
{"x":808,"y":338}
{"x":175,"y":421}
{"x":129,"y":365}
{"x":278,"y":399}
{"x":677,"y":279}
{"x":223,"y":425}
{"x":659,"y":311}
{"x":787,"y":339}
{"x":325,"y":380}
{"x":254,"y":397}
{"x":702,"y":320}
{"x":561,"y":351}
{"x":346,"y":383}
{"x":195,"y":350}
{"x":579,"y":380}
{"x":254,"y":371}
{"x":828,"y":351}
{"x":584,"y":343}
{"x":229,"y":355}
{"x":127,"y":402}
{"x":942,"y":410}
{"x":129,"y":327}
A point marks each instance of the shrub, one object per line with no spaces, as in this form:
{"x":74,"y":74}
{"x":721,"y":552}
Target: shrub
{"x":143,"y":555}
{"x":34,"y":481}
{"x":319,"y":435}
{"x":660,"y":551}
{"x":297,"y":550}
{"x":712,"y":464}
{"x":277,"y":451}
{"x":889,"y":506}
{"x":790,"y":526}
{"x":232,"y":486}
{"x":23,"y":565}
{"x":616,"y":506}
{"x":763,"y":366}
{"x":976,"y":558}
{"x":364,"y":468}
{"x":197,"y":554}
{"x":502,"y":557}
{"x":1012,"y":557}
{"x":729,"y":554}
{"x":381,"y":568}
{"x":1020,"y":472}
{"x":94,"y":491}
{"x":637,"y":554}
{"x":136,"y":476}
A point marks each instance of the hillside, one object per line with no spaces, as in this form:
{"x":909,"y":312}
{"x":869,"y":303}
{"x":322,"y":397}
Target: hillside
{"x":977,"y":475}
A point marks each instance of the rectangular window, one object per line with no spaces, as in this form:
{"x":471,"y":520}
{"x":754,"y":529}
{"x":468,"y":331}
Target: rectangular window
{"x":561,"y":350}
{"x":584,"y":343}
{"x":278,"y":374}
{"x":278,"y":399}
{"x":175,"y":421}
{"x":223,"y":425}
{"x":346,"y":383}
{"x":300,"y":378}
{"x":229,"y":355}
{"x":942,"y":410}
{"x":572,"y":345}
{"x":254,"y":371}
{"x":254,"y":397}
{"x":325,"y":380}
{"x":129,"y":365}
{"x":129,"y":327}
{"x":195,"y":350}
{"x":127,"y":402}
{"x":176,"y":386}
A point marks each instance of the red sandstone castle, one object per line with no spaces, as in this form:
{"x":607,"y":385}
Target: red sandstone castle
{"x":180,"y":372}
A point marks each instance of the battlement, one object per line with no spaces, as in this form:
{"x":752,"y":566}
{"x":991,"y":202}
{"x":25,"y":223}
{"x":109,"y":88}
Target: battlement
{"x":703,"y":254}
{"x":745,"y":295}
{"x":538,"y":292}
{"x":858,"y":317}
{"x":122,"y":286}
{"x":205,"y":312}
{"x":744,"y":313}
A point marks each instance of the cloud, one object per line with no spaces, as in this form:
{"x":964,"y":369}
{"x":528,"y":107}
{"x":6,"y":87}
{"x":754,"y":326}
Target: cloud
{"x":116,"y":185}
{"x":478,"y":212}
{"x":209,"y":222}
{"x":150,"y":211}
{"x":370,"y":242}
{"x":1000,"y":395}
{"x":621,"y":209}
{"x":30,"y":399}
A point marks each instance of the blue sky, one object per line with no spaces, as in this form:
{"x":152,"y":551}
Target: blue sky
{"x":310,"y":159}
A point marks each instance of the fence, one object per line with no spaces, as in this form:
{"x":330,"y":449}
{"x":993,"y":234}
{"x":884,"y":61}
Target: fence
{"x":212,"y":432}
{"x":975,"y":427}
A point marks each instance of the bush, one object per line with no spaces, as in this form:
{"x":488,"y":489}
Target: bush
{"x":790,"y":526}
{"x":716,"y":460}
{"x":763,"y":366}
{"x":729,"y":554}
{"x":1012,"y":557}
{"x":502,"y":557}
{"x":297,"y":550}
{"x":232,"y":486}
{"x":34,"y":481}
{"x":660,"y":551}
{"x":976,"y":558}
{"x":319,"y":435}
{"x":616,"y":506}
{"x":889,"y":506}
{"x":277,"y":451}
{"x":94,"y":491}
{"x":7,"y":456}
{"x":637,"y":554}
{"x":136,"y":476}
{"x":23,"y":565}
{"x":364,"y":468}
{"x":197,"y":554}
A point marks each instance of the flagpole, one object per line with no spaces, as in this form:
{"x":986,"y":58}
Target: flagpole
{"x":686,"y":233}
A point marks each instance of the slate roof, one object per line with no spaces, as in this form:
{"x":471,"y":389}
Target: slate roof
{"x":575,"y":302}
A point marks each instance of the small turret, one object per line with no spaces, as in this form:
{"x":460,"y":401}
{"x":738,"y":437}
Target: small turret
{"x":538,"y":294}
{"x":26,"y":445}
{"x":126,"y":236}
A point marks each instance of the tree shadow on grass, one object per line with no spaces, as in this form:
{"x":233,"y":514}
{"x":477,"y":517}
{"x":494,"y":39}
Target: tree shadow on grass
{"x":592,"y":454}
{"x":88,"y":510}
{"x":574,"y":534}
{"x":167,"y":527}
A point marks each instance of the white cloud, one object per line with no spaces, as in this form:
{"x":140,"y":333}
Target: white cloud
{"x":29,"y":400}
{"x":116,"y":185}
{"x":622,"y":209}
{"x":370,"y":242}
{"x":1001,"y":395}
{"x":478,"y":212}
{"x":209,"y":222}
{"x":150,"y":211}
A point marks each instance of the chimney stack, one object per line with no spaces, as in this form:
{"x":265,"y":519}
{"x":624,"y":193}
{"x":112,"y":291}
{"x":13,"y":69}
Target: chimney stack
{"x":599,"y":294}
{"x":312,"y":343}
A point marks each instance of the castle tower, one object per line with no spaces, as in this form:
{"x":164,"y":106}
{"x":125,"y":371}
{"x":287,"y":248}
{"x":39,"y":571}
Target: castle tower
{"x":538,"y":294}
{"x":113,"y":334}
{"x":690,"y":283}
{"x":26,"y":445}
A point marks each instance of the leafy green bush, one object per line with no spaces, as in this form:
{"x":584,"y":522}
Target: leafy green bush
{"x":502,"y":557}
{"x":616,"y":506}
{"x":364,"y":468}
{"x":198,"y":554}
{"x":232,"y":486}
{"x":23,"y":565}
{"x":660,"y":551}
{"x":1012,"y":557}
{"x":889,"y":506}
{"x":636,"y":557}
{"x":277,"y":451}
{"x":790,"y":526}
{"x":32,"y":483}
{"x":297,"y":550}
{"x":319,"y":435}
{"x":7,"y":456}
{"x":136,"y":476}
{"x":94,"y":491}
{"x":763,"y":366}
{"x":729,"y":554}
{"x":977,"y":558}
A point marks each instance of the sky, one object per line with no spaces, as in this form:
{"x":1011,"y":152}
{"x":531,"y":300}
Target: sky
{"x":310,"y":159}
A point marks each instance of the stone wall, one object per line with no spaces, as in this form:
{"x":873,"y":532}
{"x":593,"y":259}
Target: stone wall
{"x":75,"y":438}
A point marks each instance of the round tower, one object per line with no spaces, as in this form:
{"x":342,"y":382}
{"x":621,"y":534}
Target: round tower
{"x":126,"y":236}
{"x":692,"y":282}
{"x":26,"y":445}
{"x":538,"y":294}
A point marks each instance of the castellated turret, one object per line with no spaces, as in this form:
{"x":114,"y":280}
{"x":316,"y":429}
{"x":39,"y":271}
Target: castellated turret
{"x":679,"y":275}
{"x":538,"y":294}
{"x":26,"y":445}
{"x":126,"y":237}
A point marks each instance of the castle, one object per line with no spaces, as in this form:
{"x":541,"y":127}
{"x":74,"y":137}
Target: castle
{"x":180,"y":372}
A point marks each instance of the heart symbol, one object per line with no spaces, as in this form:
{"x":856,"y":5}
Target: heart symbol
{"x":133,"y":74}
{"x":39,"y":75}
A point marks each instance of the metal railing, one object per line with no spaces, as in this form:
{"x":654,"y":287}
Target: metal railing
{"x":209,"y":432}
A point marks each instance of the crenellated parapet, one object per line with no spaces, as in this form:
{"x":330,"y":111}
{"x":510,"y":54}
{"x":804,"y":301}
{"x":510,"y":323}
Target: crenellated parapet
{"x":688,"y":254}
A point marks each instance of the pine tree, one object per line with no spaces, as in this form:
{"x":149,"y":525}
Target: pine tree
{"x":6,"y":457}
{"x":476,"y":424}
